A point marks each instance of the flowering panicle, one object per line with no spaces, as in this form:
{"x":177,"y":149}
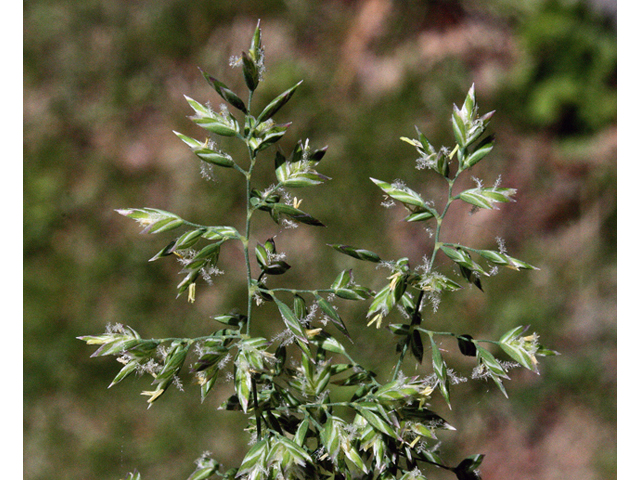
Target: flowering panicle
{"x":301,"y":422}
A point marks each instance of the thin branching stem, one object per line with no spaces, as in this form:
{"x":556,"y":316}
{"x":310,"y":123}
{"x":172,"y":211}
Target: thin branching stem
{"x":294,"y":291}
{"x":396,"y":370}
{"x":440,"y":219}
{"x":247,"y":234}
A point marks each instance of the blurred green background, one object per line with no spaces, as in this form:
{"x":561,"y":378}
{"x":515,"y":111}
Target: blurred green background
{"x":103,"y":86}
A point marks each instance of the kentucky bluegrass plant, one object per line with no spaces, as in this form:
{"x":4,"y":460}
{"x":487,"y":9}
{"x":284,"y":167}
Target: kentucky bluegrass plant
{"x":288,"y":387}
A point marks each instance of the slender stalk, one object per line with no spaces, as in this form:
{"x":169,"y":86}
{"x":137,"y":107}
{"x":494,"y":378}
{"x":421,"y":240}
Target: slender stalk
{"x":439,"y":220}
{"x":247,"y":233}
{"x":296,"y":290}
{"x":431,"y":332}
{"x":324,"y":405}
{"x":437,"y":245}
{"x":396,"y":369}
{"x":249,"y":100}
{"x":188,"y":341}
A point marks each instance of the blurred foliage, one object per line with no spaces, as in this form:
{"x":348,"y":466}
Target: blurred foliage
{"x":103,"y":86}
{"x":566,"y":78}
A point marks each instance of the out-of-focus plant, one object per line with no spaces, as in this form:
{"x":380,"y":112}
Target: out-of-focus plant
{"x":566,"y":77}
{"x":292,"y":388}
